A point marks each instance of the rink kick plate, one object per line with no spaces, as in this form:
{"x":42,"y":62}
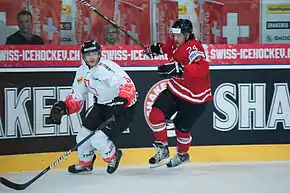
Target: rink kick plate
{"x":140,"y":156}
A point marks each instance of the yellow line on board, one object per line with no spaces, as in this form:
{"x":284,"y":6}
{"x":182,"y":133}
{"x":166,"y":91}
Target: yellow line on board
{"x":140,"y":156}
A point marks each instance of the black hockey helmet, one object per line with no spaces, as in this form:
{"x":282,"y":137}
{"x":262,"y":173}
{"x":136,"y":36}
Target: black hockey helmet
{"x":183,"y":26}
{"x":91,"y":46}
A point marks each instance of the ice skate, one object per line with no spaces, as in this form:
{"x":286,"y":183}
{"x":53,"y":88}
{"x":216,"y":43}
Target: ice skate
{"x":114,"y":163}
{"x":77,"y":168}
{"x":161,"y":157}
{"x":178,"y":159}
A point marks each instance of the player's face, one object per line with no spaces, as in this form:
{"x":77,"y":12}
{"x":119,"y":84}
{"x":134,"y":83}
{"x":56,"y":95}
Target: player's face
{"x":92,"y":58}
{"x":25,"y":23}
{"x":179,"y":39}
{"x":112,"y":36}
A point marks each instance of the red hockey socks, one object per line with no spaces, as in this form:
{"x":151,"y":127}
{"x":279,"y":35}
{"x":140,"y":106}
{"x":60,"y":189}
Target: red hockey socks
{"x":85,"y":164}
{"x":183,"y":141}
{"x":158,"y":126}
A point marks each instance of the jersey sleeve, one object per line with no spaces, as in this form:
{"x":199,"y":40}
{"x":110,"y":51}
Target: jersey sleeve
{"x":125,"y":86}
{"x":169,"y":46}
{"x":77,"y":95}
{"x":197,"y":66}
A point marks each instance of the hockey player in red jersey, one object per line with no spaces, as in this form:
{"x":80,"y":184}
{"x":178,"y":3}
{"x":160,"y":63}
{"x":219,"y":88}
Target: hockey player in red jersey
{"x":114,"y":93}
{"x":187,"y":93}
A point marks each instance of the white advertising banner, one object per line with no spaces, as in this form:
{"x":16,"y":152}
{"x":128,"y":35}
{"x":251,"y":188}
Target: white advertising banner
{"x":275,"y":21}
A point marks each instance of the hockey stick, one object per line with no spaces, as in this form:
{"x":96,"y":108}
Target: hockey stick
{"x":114,"y":24}
{"x":25,"y":185}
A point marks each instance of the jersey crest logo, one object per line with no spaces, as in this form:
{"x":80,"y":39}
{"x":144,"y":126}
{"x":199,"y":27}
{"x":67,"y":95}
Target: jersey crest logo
{"x":80,"y":79}
{"x":193,"y":55}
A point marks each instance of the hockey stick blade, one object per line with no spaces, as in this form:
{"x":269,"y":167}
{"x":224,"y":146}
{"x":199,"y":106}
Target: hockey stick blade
{"x":16,"y":186}
{"x":13,"y":185}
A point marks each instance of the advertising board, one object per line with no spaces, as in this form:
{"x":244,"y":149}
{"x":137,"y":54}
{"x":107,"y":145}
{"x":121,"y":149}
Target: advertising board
{"x":249,"y":113}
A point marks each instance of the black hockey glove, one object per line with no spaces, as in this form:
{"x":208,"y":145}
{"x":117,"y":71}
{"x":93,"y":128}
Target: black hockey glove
{"x":58,"y":110}
{"x":118,"y":105}
{"x":171,"y":69}
{"x":153,"y":50}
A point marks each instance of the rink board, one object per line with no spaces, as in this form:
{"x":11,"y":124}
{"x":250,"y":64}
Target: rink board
{"x":140,"y":156}
{"x":247,"y":121}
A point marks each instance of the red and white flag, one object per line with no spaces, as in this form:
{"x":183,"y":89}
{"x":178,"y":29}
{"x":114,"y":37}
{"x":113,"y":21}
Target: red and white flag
{"x":8,"y":17}
{"x":98,"y":24}
{"x":83,"y":22}
{"x":167,"y":15}
{"x":134,"y":17}
{"x":212,"y":22}
{"x":240,"y":22}
{"x":46,"y":18}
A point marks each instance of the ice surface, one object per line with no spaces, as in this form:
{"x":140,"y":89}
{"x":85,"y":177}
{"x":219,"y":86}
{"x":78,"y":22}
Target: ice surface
{"x":249,"y":177}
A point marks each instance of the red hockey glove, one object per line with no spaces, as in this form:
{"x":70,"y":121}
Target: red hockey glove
{"x":171,"y":69}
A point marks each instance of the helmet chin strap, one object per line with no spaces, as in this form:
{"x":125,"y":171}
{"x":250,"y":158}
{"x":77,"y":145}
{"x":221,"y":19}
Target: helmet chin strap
{"x":185,"y":36}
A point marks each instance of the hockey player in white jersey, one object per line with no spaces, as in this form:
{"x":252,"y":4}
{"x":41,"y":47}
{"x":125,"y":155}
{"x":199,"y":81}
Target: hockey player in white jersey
{"x":114,"y":93}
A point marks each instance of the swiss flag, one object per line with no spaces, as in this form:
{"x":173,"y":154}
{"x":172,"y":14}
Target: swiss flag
{"x":99,"y":25}
{"x":46,"y":14}
{"x":212,"y":22}
{"x":83,"y":22}
{"x":240,"y":22}
{"x":134,"y":18}
{"x":8,"y":17}
{"x":168,"y":14}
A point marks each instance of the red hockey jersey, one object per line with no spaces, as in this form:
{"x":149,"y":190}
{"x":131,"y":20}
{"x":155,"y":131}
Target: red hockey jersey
{"x":194,"y":85}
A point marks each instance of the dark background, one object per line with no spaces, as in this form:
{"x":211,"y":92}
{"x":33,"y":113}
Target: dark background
{"x":140,"y":134}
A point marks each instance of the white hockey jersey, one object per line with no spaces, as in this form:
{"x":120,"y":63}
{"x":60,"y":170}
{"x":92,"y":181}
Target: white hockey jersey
{"x":105,"y":81}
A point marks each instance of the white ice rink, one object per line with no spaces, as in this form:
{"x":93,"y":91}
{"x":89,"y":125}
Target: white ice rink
{"x":258,"y":177}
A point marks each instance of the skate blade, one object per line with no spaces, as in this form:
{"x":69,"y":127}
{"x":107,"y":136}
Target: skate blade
{"x":82,"y":173}
{"x":179,"y":164}
{"x":161,"y":163}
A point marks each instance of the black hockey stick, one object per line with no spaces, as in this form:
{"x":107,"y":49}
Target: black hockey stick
{"x":25,"y":185}
{"x":114,"y":24}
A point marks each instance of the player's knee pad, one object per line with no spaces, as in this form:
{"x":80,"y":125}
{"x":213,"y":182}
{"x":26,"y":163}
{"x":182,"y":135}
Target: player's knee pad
{"x":85,"y":151}
{"x":156,"y":116}
{"x":83,"y":133}
{"x":99,"y":139}
{"x":183,"y":125}
{"x":103,"y":145}
{"x":157,"y":119}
